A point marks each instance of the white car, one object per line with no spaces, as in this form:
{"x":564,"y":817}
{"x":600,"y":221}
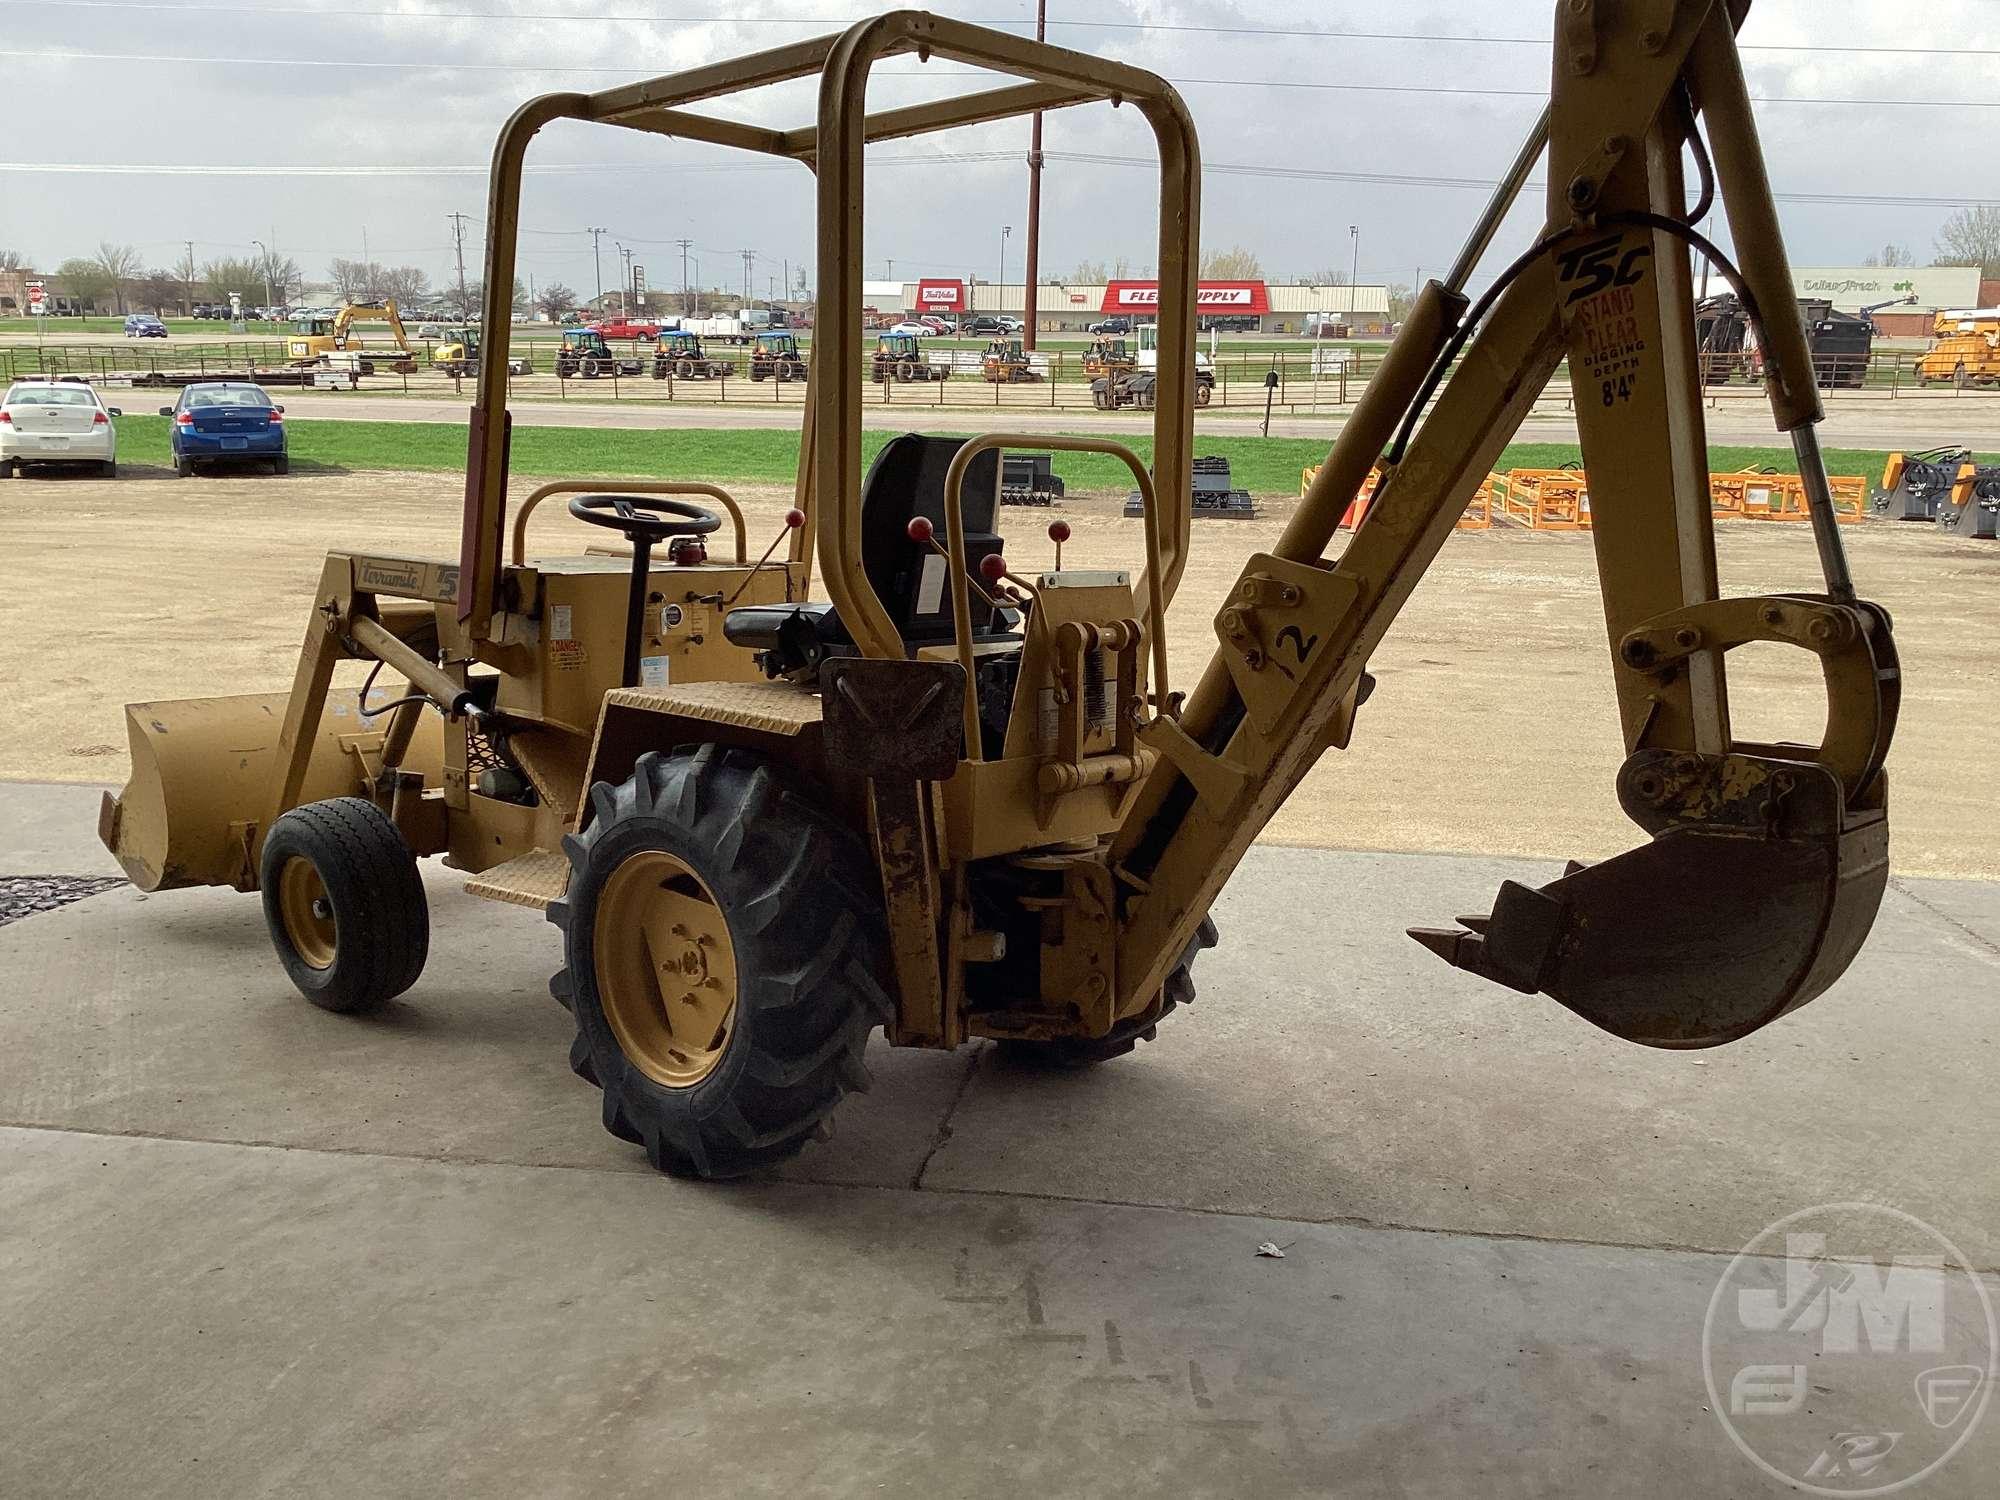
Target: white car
{"x":1012,"y":325}
{"x":56,"y":422}
{"x":910,"y":325}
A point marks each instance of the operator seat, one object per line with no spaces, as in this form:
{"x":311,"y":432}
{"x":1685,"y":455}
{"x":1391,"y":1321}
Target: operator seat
{"x":905,"y":481}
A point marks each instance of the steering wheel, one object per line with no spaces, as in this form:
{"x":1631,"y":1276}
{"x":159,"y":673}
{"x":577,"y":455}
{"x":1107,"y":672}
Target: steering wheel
{"x":645,"y":519}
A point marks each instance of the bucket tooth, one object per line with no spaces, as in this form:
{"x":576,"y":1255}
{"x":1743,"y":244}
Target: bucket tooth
{"x":1710,"y":931}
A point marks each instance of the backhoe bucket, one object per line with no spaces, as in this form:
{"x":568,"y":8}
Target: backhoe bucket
{"x":1720,"y":925}
{"x":202,"y":778}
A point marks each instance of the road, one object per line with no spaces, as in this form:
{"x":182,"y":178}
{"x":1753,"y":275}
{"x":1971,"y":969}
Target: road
{"x":1869,"y":421}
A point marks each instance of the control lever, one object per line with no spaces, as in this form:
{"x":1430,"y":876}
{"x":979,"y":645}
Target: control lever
{"x":794,"y":519}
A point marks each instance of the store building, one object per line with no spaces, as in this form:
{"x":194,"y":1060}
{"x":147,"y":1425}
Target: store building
{"x":1236,"y":306}
{"x":1851,"y":288}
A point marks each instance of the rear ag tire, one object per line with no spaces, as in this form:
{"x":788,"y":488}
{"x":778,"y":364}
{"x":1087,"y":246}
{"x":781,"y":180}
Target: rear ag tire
{"x":344,"y":904}
{"x":728,"y":1051}
{"x":1084,"y":1052}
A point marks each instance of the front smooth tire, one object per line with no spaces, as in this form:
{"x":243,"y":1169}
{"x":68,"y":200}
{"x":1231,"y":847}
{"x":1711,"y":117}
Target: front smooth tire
{"x":724,"y":944}
{"x":344,"y":904}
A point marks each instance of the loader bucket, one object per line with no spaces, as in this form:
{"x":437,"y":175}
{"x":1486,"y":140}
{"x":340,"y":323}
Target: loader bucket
{"x":1712,"y":930}
{"x":203,"y":771}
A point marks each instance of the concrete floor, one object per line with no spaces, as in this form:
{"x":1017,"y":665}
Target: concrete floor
{"x":247,"y":1247}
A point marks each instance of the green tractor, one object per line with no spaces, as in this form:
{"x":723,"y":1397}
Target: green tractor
{"x":776,"y":356}
{"x":585,"y":353}
{"x":680,"y":354}
{"x":897,"y":357}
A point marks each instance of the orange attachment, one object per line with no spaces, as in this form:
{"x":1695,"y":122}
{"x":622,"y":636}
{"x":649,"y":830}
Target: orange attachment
{"x":1544,"y":499}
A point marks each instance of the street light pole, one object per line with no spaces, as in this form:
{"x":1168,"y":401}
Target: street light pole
{"x":1354,"y":270}
{"x":269,"y":301}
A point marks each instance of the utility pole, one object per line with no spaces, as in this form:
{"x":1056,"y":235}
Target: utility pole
{"x":458,"y":240}
{"x":687,"y":302}
{"x":1354,"y":270}
{"x":190,"y":274}
{"x":1031,"y":273}
{"x":749,"y":260}
{"x":787,"y":282}
{"x":597,"y":264}
{"x":625,"y":284}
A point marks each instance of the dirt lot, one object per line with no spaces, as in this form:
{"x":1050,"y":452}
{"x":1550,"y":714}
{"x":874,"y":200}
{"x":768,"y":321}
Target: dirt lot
{"x":1492,"y":730}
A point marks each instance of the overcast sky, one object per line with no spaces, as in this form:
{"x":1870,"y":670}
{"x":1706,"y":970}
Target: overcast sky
{"x":172,"y":87}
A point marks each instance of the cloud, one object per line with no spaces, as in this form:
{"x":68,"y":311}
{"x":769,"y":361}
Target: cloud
{"x":935,"y":204}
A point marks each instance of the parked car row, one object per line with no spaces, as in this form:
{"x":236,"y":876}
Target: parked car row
{"x":929,"y":325}
{"x":65,"y":424}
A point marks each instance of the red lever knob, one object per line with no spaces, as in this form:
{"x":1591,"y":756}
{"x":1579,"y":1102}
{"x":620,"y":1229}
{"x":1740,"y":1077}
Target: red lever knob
{"x":795,"y":519}
{"x":919,"y":528}
{"x":1058,"y":531}
{"x":992,"y":567}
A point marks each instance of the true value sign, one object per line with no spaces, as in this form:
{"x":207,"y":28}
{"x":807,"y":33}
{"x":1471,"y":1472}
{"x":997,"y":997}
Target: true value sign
{"x":1210,"y":296}
{"x":940,"y":296}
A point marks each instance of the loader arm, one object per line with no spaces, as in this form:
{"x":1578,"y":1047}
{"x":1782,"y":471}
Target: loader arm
{"x":1766,"y":862}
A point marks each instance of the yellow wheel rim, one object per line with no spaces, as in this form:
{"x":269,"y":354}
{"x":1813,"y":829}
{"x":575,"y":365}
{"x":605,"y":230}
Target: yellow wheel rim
{"x":307,"y":913}
{"x":666,"y":969}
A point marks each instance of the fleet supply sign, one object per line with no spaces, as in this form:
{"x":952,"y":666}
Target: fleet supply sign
{"x":940,"y":296}
{"x":1210,"y":297}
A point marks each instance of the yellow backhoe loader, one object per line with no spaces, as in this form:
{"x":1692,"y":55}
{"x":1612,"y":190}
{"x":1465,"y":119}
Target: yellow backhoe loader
{"x":331,"y":341}
{"x":958,"y":797}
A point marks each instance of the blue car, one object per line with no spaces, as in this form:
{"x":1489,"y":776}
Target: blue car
{"x":144,"y":326}
{"x":227,"y":422}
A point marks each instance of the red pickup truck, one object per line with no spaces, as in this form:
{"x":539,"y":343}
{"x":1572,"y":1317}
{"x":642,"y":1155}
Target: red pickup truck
{"x":619,"y":328}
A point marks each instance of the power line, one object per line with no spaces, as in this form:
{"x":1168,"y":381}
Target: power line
{"x":654,"y":19}
{"x":153,"y":59}
{"x":1209,"y":168}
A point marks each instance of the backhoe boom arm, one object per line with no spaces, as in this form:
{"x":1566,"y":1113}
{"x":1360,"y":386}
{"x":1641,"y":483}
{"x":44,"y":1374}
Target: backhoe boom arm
{"x":1767,"y":861}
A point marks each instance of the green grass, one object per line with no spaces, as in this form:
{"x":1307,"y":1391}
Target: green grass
{"x":1268,"y":466}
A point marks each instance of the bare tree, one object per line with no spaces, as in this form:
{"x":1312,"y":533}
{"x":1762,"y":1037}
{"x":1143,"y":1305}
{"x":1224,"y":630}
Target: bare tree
{"x":1971,"y":237}
{"x":556,"y":299}
{"x":158,"y":290}
{"x":243,"y":277}
{"x":1890,"y":255}
{"x":13,"y":260}
{"x":1088,"y":273}
{"x":185,"y":269}
{"x":83,"y":280}
{"x":1327,"y":276}
{"x":354,"y":280}
{"x":1233,"y":264}
{"x":121,"y":263}
{"x":407,"y":284}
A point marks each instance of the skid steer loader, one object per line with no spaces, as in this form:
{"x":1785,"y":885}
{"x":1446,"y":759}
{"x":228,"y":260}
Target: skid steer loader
{"x":959,"y":797}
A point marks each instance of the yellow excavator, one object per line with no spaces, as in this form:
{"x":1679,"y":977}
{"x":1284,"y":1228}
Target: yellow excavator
{"x":958,"y":797}
{"x":330,"y":341}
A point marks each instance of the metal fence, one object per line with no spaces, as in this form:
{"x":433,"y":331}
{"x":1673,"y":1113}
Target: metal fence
{"x":1328,"y":379}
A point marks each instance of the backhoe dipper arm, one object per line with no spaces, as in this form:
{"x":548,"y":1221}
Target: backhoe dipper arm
{"x":1766,"y":862}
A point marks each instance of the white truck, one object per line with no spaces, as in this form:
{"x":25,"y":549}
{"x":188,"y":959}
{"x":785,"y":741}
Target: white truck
{"x":739,"y":327}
